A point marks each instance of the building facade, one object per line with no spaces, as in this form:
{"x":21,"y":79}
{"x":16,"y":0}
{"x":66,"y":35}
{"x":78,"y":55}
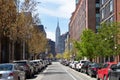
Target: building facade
{"x":57,"y":42}
{"x":84,"y":17}
{"x":51,"y":45}
{"x":63,"y":37}
{"x":110,"y":10}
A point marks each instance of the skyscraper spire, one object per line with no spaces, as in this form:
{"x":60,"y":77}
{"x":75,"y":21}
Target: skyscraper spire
{"x":57,"y":22}
{"x":58,"y":33}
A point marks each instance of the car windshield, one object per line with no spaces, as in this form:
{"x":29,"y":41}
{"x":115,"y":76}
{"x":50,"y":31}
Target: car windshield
{"x":21,"y":63}
{"x":6,"y":67}
{"x":118,"y":66}
{"x":94,"y":65}
{"x":83,"y":61}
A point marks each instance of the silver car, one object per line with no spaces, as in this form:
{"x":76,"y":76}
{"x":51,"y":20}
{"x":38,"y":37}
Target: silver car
{"x":10,"y":71}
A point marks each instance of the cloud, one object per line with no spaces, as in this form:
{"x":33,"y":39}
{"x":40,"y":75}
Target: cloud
{"x":63,"y":8}
{"x":50,"y":35}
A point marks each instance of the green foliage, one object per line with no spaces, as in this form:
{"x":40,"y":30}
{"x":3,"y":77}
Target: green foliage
{"x":59,"y":56}
{"x":86,"y":47}
{"x":50,"y":55}
{"x":108,"y":39}
{"x":103,"y":43}
{"x":66,"y":55}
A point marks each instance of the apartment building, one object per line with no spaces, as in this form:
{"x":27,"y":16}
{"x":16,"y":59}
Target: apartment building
{"x":85,"y":16}
{"x":110,"y":10}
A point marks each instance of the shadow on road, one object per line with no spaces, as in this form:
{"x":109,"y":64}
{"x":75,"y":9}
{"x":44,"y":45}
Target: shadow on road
{"x":32,"y":77}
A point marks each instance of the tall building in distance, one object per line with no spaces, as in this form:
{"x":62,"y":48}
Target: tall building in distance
{"x":57,"y":42}
{"x":51,"y":45}
{"x":63,"y":37}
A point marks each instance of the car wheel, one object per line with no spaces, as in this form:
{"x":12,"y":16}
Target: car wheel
{"x":105,"y":78}
{"x":90,"y":74}
{"x":108,"y":78}
{"x":18,"y":78}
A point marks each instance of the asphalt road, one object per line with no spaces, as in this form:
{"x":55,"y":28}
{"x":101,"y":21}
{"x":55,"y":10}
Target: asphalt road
{"x":57,"y":71}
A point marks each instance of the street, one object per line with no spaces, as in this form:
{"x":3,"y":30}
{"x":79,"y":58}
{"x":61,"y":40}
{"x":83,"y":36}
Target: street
{"x":57,"y":71}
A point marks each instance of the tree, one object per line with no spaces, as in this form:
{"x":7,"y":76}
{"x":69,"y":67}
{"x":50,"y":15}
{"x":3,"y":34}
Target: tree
{"x":66,"y":55}
{"x":86,"y":46}
{"x":18,"y":24}
{"x":59,"y":56}
{"x":101,"y":44}
{"x":28,"y":29}
{"x":79,"y":50}
{"x":50,"y":55}
{"x":37,"y":41}
{"x":8,"y":18}
{"x":108,"y":36}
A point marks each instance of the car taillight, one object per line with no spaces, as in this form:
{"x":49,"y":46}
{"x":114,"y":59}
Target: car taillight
{"x":11,"y":74}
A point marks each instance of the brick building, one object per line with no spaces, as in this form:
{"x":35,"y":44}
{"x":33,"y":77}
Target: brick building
{"x":84,"y":17}
{"x":110,"y":10}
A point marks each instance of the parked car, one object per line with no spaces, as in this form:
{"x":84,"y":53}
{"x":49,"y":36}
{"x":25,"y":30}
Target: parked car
{"x":103,"y":72}
{"x":85,"y":66}
{"x":79,"y":64}
{"x":34,"y":66}
{"x":93,"y":68}
{"x":114,"y":74}
{"x":73,"y":65}
{"x":29,"y":70}
{"x":38,"y":64}
{"x":65,"y":62}
{"x":10,"y":71}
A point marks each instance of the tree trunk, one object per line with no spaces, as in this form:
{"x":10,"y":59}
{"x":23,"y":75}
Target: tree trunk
{"x":12,"y":50}
{"x":23,"y":50}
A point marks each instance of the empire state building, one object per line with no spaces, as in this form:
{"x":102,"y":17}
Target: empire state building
{"x":57,"y":43}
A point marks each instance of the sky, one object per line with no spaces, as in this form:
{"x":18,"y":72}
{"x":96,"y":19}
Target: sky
{"x":50,"y":11}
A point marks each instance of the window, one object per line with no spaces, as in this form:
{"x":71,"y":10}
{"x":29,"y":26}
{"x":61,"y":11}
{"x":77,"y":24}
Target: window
{"x":77,"y":1}
{"x":97,"y":21}
{"x":105,"y":65}
{"x":103,"y":15}
{"x":97,"y":1}
{"x":102,"y":1}
{"x":97,"y":10}
{"x":111,"y":5}
{"x":97,"y":5}
{"x":111,"y":19}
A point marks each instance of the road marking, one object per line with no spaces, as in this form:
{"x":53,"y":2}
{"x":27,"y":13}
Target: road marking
{"x":69,"y":73}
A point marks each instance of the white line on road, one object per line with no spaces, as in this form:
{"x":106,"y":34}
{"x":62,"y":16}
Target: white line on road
{"x":69,"y":73}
